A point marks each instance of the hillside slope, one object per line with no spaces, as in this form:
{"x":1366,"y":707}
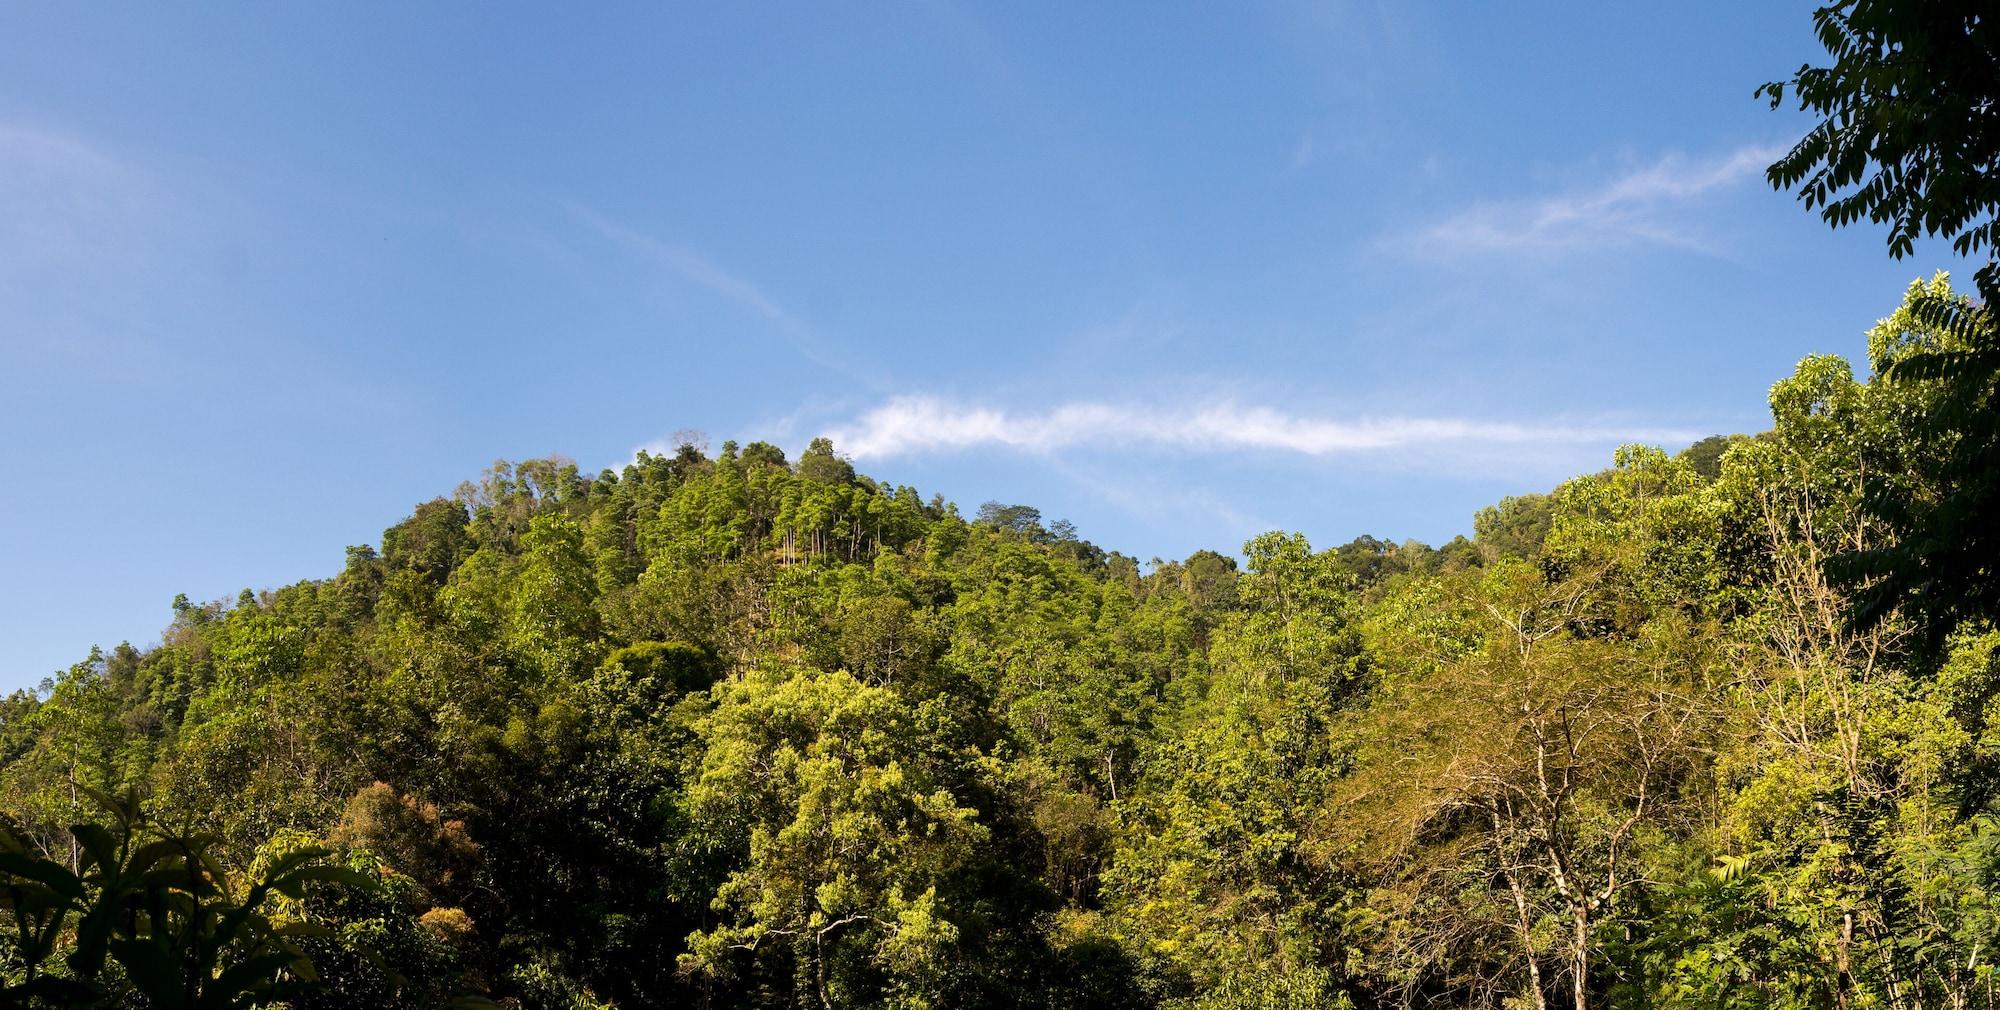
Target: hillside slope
{"x":741,"y":731}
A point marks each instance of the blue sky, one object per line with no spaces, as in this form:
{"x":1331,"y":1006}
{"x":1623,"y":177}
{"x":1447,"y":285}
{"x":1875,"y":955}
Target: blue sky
{"x":270,"y":276}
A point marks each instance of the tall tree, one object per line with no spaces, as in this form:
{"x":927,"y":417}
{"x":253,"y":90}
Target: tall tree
{"x":852,"y":834}
{"x":1910,"y":138}
{"x":1910,"y":134}
{"x":1501,"y":797}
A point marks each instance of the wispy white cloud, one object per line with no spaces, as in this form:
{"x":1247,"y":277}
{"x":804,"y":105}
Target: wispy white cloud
{"x":1650,"y":205}
{"x":1160,"y":497}
{"x":1303,"y":155}
{"x":61,"y":197}
{"x":97,"y":248}
{"x":691,"y":267}
{"x":911,"y":425}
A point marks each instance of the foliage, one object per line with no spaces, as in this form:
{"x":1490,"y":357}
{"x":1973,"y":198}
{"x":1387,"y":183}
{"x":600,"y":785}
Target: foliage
{"x":1911,"y":131}
{"x":1939,"y":504}
{"x":1911,"y":138}
{"x":731,"y":732}
{"x":152,"y":918}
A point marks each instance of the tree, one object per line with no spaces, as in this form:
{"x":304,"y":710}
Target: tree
{"x":1705,"y":456}
{"x":1516,"y":527}
{"x":1911,"y":131}
{"x":430,"y":542}
{"x":1911,"y":138}
{"x":1936,"y":489}
{"x":853,"y":839}
{"x":878,"y":638}
{"x":75,"y":736}
{"x":1215,"y":884}
{"x":762,"y":454}
{"x":1295,"y":611}
{"x":551,"y":618}
{"x":1500,"y":797}
{"x":161,"y":909}
{"x":1022,"y":520}
{"x":1853,"y":786}
{"x":820,"y":464}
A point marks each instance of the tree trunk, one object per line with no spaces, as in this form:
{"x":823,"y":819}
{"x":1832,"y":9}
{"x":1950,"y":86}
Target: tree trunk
{"x":1580,"y":956}
{"x":1523,"y":925}
{"x":1843,"y":968}
{"x":819,"y":970}
{"x":1535,"y":983}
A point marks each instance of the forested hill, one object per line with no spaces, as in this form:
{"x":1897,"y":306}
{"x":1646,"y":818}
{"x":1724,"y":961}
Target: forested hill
{"x":744,"y":731}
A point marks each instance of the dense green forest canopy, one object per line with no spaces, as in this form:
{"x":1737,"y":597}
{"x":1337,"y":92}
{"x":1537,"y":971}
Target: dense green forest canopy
{"x":1909,"y":137}
{"x":1699,"y":730}
{"x":746,"y":731}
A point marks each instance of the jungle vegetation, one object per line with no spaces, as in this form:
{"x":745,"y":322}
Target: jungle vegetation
{"x":1714,"y":728}
{"x":736,"y":730}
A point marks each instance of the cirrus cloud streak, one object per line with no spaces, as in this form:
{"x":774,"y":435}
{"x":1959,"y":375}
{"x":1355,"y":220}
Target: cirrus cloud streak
{"x":911,"y":425}
{"x":1656,"y":204}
